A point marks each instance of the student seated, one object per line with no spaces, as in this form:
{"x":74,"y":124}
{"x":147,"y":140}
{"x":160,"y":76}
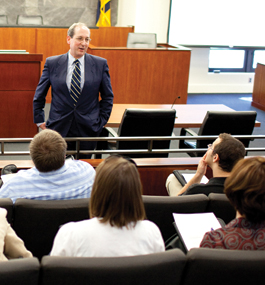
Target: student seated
{"x":221,"y":156}
{"x":245,"y":189}
{"x":53,"y":177}
{"x":117,"y":226}
{"x":11,"y":245}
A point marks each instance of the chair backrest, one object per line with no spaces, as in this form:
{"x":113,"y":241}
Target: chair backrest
{"x":157,"y":268}
{"x":159,"y":210}
{"x":20,"y":271}
{"x":222,"y":266}
{"x":7,"y":204}
{"x":141,"y":40}
{"x":221,"y":207}
{"x":234,"y":123}
{"x":3,"y":20}
{"x":37,"y":222}
{"x":36,"y":20}
{"x":146,"y":122}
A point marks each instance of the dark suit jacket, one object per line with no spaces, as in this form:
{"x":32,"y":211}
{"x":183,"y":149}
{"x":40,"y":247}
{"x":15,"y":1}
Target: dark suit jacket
{"x":90,"y":114}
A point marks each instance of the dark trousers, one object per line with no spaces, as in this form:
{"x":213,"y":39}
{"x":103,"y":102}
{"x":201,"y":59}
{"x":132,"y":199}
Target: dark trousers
{"x":84,"y":145}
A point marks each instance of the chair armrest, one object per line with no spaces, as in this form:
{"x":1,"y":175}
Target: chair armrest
{"x":184,"y":131}
{"x":111,"y":131}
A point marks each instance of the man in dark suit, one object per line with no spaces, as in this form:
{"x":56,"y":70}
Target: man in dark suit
{"x":85,"y":115}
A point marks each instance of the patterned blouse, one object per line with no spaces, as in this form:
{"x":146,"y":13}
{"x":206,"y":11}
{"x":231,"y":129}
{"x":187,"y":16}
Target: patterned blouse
{"x":238,"y":234}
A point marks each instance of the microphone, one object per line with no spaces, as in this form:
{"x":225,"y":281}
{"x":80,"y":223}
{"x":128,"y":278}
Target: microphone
{"x":175,"y":101}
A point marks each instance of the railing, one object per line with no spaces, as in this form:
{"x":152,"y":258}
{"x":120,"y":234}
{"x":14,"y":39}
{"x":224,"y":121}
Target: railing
{"x":149,"y":150}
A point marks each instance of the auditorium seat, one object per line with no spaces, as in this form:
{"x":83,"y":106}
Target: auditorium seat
{"x":221,"y":207}
{"x":157,"y":268}
{"x":20,"y":271}
{"x":159,"y":210}
{"x":7,"y":204}
{"x":222,"y":266}
{"x":37,"y":222}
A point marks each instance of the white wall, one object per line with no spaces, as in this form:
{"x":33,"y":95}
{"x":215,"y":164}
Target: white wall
{"x":147,"y":16}
{"x":201,"y":81}
{"x":151,"y":16}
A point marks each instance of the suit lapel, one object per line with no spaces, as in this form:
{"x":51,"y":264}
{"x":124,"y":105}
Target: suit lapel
{"x":60,"y":73}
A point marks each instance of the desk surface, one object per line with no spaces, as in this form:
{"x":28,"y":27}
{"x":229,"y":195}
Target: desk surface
{"x":188,"y":115}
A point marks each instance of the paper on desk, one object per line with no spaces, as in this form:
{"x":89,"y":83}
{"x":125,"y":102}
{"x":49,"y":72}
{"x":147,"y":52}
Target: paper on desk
{"x":192,"y":227}
{"x":188,"y":177}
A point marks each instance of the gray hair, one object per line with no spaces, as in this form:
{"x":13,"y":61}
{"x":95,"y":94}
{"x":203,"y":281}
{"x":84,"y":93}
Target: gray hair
{"x":71,"y":30}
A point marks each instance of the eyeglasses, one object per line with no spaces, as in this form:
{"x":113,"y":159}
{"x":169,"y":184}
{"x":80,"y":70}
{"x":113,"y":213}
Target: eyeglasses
{"x":80,"y":39}
{"x":210,"y":146}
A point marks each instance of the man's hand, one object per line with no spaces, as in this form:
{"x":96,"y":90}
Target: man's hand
{"x":43,"y":126}
{"x":202,"y":167}
{"x":201,"y":170}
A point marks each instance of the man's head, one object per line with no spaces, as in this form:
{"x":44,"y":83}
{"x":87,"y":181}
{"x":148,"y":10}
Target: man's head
{"x":225,"y":151}
{"x":48,"y":150}
{"x":78,"y":37}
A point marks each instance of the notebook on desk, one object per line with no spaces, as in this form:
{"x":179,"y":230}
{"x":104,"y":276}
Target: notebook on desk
{"x":192,"y":227}
{"x":184,"y":176}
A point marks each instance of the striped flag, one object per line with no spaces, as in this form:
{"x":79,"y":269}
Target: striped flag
{"x":103,"y":14}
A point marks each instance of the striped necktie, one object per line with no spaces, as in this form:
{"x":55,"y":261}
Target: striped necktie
{"x":75,"y":88}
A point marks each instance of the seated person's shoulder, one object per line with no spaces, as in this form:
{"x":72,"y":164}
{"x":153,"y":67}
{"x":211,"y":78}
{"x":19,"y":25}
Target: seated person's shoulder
{"x":82,"y":165}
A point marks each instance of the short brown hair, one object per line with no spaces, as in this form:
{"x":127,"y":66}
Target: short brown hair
{"x":116,"y":195}
{"x":48,"y":150}
{"x":71,"y":30}
{"x":245,"y":188}
{"x":230,"y":150}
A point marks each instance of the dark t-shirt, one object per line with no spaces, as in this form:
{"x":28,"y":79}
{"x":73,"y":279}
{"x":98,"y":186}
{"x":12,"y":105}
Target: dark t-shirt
{"x":214,"y":185}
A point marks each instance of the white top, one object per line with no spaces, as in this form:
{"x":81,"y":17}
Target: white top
{"x":90,"y":238}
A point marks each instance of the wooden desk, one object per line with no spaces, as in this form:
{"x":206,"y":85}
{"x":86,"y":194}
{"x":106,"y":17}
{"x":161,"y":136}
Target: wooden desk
{"x":153,"y":171}
{"x":258,"y":96}
{"x":188,"y":115}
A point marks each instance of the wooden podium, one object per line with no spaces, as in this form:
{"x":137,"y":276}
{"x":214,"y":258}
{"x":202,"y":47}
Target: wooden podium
{"x":20,"y":74}
{"x":258,"y":96}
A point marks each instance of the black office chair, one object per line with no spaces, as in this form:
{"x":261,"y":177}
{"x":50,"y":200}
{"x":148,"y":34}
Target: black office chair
{"x":35,"y":20}
{"x":216,"y":122}
{"x":142,"y":123}
{"x":141,"y":40}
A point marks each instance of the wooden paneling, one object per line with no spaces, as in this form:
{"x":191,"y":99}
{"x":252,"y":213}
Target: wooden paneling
{"x":18,"y":38}
{"x":17,"y":115}
{"x":156,"y":76}
{"x":147,"y":76}
{"x":52,"y":41}
{"x":18,"y":80}
{"x":258,"y":96}
{"x":110,"y":36}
